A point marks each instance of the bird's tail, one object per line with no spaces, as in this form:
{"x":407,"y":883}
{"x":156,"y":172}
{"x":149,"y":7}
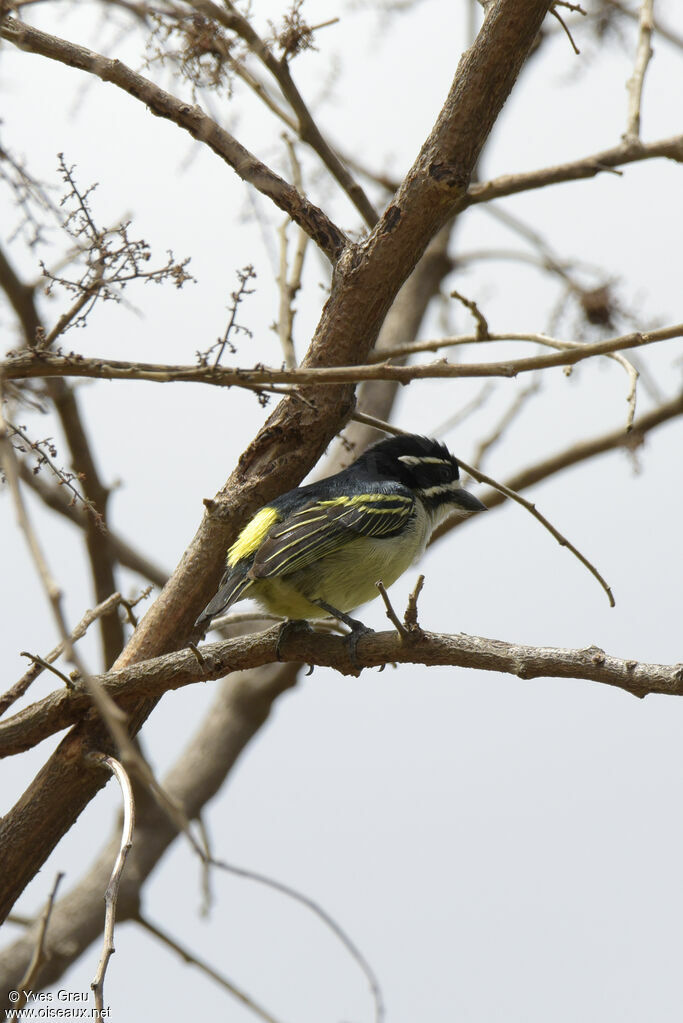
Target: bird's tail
{"x":232,"y":587}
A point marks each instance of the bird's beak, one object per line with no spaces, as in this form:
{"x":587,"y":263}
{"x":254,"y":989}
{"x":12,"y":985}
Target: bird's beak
{"x":468,"y":502}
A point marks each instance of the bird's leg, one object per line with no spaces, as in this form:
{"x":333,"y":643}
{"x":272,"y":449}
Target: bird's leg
{"x":358,"y":629}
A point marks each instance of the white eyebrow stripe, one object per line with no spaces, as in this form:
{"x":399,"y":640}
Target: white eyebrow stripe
{"x":443,"y":488}
{"x":426,"y":460}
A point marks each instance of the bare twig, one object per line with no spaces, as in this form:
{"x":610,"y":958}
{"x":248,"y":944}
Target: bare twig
{"x":26,"y":982}
{"x":322,"y":914}
{"x":554,"y":11}
{"x":482,"y":326}
{"x":41,"y":449}
{"x":515,"y":407}
{"x":220,"y":978}
{"x":19,"y":688}
{"x":42,"y":665}
{"x":173,"y":671}
{"x":634,"y":86}
{"x":244,"y":276}
{"x":530,"y":507}
{"x":320,"y":228}
{"x":114,"y":718}
{"x":9,"y":464}
{"x":29,"y":365}
{"x":391,"y":614}
{"x":126,"y":555}
{"x":290,"y":283}
{"x":228,"y":16}
{"x":111,"y":894}
{"x":662,"y":30}
{"x":94,"y":494}
{"x":577,"y":170}
{"x":205,"y":864}
{"x":410,"y":617}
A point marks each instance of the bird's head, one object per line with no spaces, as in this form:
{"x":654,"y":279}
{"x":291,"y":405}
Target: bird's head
{"x":426,"y":467}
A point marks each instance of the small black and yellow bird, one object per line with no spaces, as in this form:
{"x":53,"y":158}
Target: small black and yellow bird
{"x":319,"y":550}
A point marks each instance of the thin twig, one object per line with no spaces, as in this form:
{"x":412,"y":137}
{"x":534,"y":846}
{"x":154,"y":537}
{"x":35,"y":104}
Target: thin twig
{"x":228,"y":16}
{"x":112,"y":892}
{"x":391,"y":614}
{"x":515,"y":407}
{"x":289,"y":284}
{"x":482,"y":325}
{"x":38,"y":448}
{"x":662,"y":30}
{"x":323,"y":915}
{"x":193,"y":960}
{"x":410,"y":617}
{"x":542,"y":339}
{"x":190,"y":117}
{"x":575,"y":170}
{"x":205,"y":865}
{"x":556,"y":14}
{"x":40,"y":663}
{"x":530,"y":507}
{"x":635,"y":83}
{"x":26,"y":982}
{"x":110,"y":712}
{"x":285,"y":318}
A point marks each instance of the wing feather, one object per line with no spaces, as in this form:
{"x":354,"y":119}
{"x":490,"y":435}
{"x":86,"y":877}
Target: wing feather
{"x":323,"y":527}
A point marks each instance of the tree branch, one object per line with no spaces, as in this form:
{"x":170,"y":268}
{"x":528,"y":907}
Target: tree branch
{"x":128,"y":556}
{"x":162,"y":674}
{"x":192,"y":119}
{"x":230,"y":18}
{"x":45,"y":364}
{"x":576,"y":170}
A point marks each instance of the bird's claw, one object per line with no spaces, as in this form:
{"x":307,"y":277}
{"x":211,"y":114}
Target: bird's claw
{"x":357,"y":631}
{"x":288,"y":626}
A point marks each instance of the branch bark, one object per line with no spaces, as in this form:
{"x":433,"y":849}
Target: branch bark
{"x":155,"y":677}
{"x":577,"y":170}
{"x":45,"y":364}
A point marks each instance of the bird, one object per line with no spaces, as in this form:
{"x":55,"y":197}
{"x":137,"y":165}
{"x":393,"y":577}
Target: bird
{"x":319,"y":550}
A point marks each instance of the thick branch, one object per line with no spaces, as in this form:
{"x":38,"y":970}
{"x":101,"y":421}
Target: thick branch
{"x":173,"y":671}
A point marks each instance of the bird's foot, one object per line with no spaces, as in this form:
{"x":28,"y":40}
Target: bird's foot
{"x":357,"y":631}
{"x":287,"y":627}
{"x":357,"y":628}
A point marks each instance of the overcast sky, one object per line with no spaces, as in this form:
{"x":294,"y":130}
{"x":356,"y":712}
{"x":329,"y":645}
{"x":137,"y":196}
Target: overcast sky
{"x":499,"y":850}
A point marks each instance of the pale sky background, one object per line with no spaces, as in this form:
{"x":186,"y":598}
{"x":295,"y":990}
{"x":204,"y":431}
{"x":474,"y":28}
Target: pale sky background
{"x":499,"y":850}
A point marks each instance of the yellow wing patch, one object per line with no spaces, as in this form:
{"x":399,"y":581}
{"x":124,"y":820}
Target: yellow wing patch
{"x":253,"y":535}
